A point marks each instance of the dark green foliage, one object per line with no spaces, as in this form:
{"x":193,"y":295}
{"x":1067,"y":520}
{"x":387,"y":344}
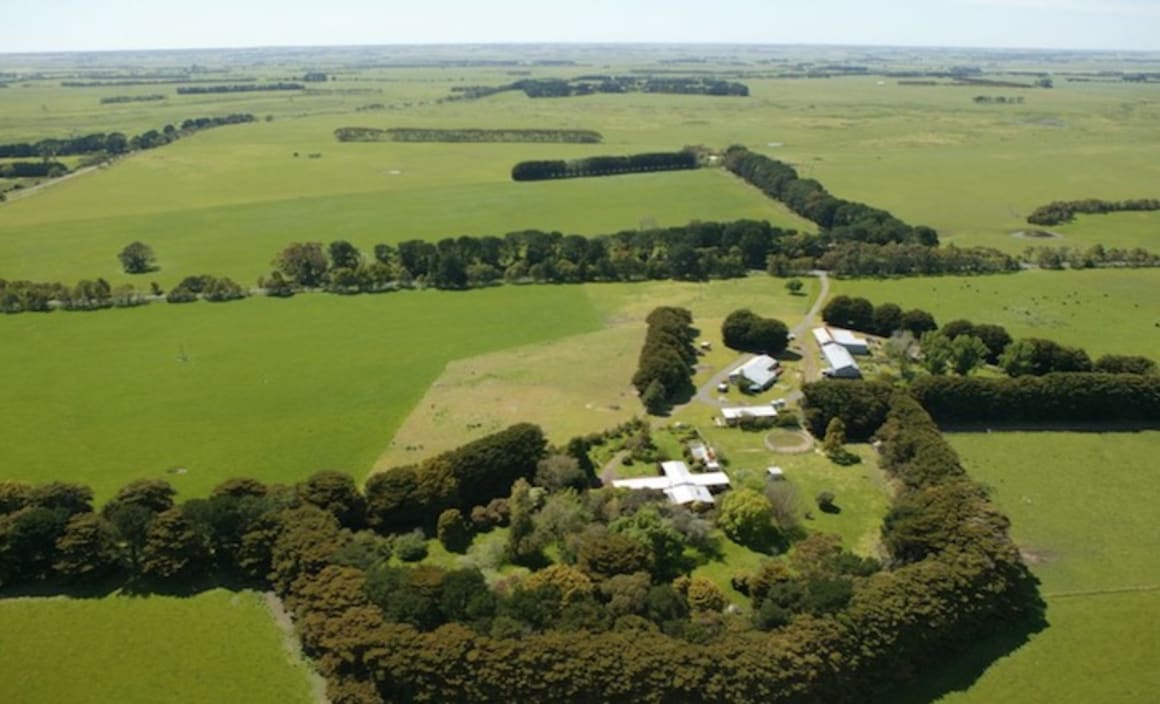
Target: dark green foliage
{"x":917,"y":322}
{"x":1124,"y":364}
{"x":238,"y":88}
{"x":745,"y":331}
{"x":453,"y":531}
{"x":887,"y":319}
{"x":1036,"y":356}
{"x":840,"y":220}
{"x":137,"y":258}
{"x":173,"y":550}
{"x":852,"y":313}
{"x":603,"y":555}
{"x":666,"y":359}
{"x":862,"y":406}
{"x":603,"y":166}
{"x":1059,"y":212}
{"x":337,"y":493}
{"x":87,"y":549}
{"x":1053,"y":398}
{"x":303,"y":263}
{"x":912,"y":259}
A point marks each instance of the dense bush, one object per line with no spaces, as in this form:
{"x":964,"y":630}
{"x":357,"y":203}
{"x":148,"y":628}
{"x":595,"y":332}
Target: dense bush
{"x":862,"y":406}
{"x":745,"y":331}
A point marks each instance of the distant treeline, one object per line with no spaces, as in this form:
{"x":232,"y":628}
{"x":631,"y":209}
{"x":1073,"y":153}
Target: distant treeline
{"x":1094,"y":257}
{"x":131,"y":98}
{"x":116,"y":142}
{"x":841,"y":220}
{"x":603,"y":166}
{"x":238,"y":88}
{"x":592,"y":84}
{"x":98,"y":294}
{"x":1061,"y":211}
{"x":998,"y":99}
{"x":895,"y":259}
{"x":419,"y":134}
{"x":144,"y":82}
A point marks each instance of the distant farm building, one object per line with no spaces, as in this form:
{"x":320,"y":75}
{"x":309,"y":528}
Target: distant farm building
{"x":734,"y":415}
{"x":845,"y":338}
{"x":756,"y":375}
{"x":679,"y":484}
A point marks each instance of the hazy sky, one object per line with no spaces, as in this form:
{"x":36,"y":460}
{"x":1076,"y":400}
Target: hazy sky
{"x":58,"y":25}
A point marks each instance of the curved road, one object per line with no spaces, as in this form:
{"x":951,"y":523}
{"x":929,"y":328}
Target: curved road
{"x":707,"y":393}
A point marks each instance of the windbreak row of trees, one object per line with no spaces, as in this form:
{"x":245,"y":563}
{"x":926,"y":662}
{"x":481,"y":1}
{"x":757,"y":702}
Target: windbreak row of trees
{"x":1096,"y":256}
{"x":32,"y":169}
{"x":98,"y":294}
{"x":902,"y":259}
{"x":1061,"y":211}
{"x":114,"y":143}
{"x":113,"y":99}
{"x":840,"y":220}
{"x":603,"y":166}
{"x":857,"y":313}
{"x":664,"y":371}
{"x":424,"y":134}
{"x":237,"y":88}
{"x":592,"y":84}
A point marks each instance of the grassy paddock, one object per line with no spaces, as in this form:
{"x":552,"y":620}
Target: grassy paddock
{"x":215,"y":647}
{"x":1082,"y":510}
{"x":1103,"y":311}
{"x":263,"y":388}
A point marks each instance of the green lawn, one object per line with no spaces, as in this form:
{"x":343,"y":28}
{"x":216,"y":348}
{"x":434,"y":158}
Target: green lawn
{"x":1103,"y":311}
{"x":271,"y":389}
{"x":1081,"y":508}
{"x":215,"y":647}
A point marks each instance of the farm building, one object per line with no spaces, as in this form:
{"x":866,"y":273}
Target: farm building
{"x":845,"y":338}
{"x":756,"y":375}
{"x":704,"y":453}
{"x":679,"y":484}
{"x":840,"y":363}
{"x":775,"y":474}
{"x":734,"y":415}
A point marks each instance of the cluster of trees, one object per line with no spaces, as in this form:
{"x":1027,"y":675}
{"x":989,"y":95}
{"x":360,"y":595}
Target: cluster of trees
{"x":1093,"y":257}
{"x":998,"y":99}
{"x":664,"y":371}
{"x":32,"y":169}
{"x":903,"y":259}
{"x":238,"y":88}
{"x":588,"y":85}
{"x":131,"y":98}
{"x":114,"y":143}
{"x":857,"y":313}
{"x":216,"y":289}
{"x":839,"y":219}
{"x":1062,"y":211}
{"x":425,"y":134}
{"x":603,"y":166}
{"x":861,"y":406}
{"x":1052,"y":398}
{"x":87,"y":294}
{"x":745,"y":331}
{"x":694,"y":252}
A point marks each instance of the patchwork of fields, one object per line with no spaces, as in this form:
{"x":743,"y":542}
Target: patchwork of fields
{"x":278,"y":389}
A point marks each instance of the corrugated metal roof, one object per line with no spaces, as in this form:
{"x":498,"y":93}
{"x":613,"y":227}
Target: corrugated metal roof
{"x":838,"y":357}
{"x":748,"y":412}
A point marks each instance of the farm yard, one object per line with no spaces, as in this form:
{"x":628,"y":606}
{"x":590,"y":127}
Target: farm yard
{"x":277,"y":390}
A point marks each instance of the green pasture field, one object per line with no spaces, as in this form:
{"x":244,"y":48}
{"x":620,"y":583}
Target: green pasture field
{"x":217,"y":646}
{"x":579,"y":384}
{"x":1082,"y":511}
{"x":271,"y":389}
{"x":1104,"y":311}
{"x":1127,"y":230}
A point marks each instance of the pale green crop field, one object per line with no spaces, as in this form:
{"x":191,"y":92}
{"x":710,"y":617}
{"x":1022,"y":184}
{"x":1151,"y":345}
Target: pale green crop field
{"x":214,"y":647}
{"x":1081,"y":509}
{"x":1104,"y":311}
{"x":263,"y":388}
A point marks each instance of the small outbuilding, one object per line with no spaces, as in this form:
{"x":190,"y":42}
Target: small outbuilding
{"x":845,"y":338}
{"x":736,"y":414}
{"x":775,"y":474}
{"x":840,"y":363}
{"x":756,"y":375}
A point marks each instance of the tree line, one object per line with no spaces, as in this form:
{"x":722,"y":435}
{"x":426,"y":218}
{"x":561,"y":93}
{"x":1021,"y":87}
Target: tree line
{"x":839,"y":219}
{"x":664,"y":371}
{"x":603,"y":166}
{"x":1095,"y":257}
{"x":99,"y":294}
{"x":1061,"y":211}
{"x":112,"y":99}
{"x":593,"y":84}
{"x":115,"y":143}
{"x":145,"y":81}
{"x":238,"y":88}
{"x":854,"y":259}
{"x":421,"y":134}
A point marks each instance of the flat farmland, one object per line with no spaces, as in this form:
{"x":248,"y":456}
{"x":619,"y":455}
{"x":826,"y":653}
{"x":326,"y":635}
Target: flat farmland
{"x":214,"y":647}
{"x":263,"y":388}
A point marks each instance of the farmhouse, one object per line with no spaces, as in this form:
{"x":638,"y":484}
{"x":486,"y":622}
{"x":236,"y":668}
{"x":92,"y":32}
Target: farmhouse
{"x":679,"y":484}
{"x":840,"y":363}
{"x":756,"y":375}
{"x":845,"y":338}
{"x":736,"y":414}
